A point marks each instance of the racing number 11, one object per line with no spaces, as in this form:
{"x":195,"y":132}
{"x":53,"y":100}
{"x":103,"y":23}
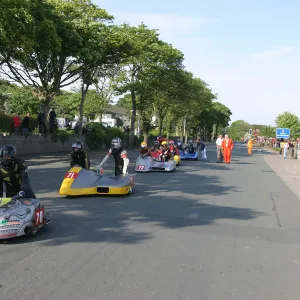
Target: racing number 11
{"x":39,"y":217}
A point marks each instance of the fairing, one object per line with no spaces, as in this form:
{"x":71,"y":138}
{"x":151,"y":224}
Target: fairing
{"x":80,"y":181}
{"x":189,"y":156}
{"x":149,"y":164}
{"x":20,"y":217}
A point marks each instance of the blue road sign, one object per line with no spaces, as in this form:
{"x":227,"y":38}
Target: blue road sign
{"x":283,"y":133}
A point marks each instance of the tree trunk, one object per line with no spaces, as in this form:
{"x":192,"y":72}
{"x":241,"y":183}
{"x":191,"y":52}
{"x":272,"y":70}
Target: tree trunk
{"x":146,"y":136}
{"x":133,"y":118}
{"x":84,"y":89}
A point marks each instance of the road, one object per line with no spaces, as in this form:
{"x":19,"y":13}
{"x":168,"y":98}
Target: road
{"x":207,"y":231}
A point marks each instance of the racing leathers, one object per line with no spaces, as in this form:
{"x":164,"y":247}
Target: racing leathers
{"x":121,"y":160}
{"x":173,"y":151}
{"x":16,"y":179}
{"x":81,"y":158}
{"x":155,"y":146}
{"x":145,"y":152}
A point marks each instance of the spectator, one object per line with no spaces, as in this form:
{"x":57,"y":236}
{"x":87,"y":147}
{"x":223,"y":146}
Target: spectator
{"x":17,"y":123}
{"x":220,"y":154}
{"x":25,"y":124}
{"x":286,"y":147}
{"x":42,"y":122}
{"x":52,"y":118}
{"x":202,"y":148}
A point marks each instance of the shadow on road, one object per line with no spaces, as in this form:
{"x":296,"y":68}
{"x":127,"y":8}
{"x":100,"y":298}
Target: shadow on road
{"x":169,"y":200}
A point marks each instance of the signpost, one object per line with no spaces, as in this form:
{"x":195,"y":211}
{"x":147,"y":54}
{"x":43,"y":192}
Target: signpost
{"x":283,"y":133}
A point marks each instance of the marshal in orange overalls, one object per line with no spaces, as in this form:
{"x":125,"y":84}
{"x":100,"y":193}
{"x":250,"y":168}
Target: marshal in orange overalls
{"x":227,"y":148}
{"x":250,"y":147}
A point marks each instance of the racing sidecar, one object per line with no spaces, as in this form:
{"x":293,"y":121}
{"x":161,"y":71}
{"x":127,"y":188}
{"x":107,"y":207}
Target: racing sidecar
{"x":156,"y":156}
{"x":148,"y":164}
{"x":21,"y":216}
{"x":80,"y":182}
{"x":185,"y":155}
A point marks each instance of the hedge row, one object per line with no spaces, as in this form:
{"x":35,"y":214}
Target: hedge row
{"x":96,"y":136}
{"x":6,"y":122}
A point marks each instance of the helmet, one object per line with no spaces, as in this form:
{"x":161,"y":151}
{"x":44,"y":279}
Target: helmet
{"x":77,"y":146}
{"x":156,"y":143}
{"x":179,"y":144}
{"x":190,"y":142}
{"x":171,"y":142}
{"x":8,"y":155}
{"x":164,"y":143}
{"x":116,"y":143}
{"x":143,"y":144}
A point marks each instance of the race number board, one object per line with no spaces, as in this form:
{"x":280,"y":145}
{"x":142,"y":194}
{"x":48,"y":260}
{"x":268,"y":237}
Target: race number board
{"x":39,"y":216}
{"x":71,"y":175}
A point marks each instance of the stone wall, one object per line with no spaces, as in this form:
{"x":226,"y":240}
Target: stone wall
{"x":37,"y":144}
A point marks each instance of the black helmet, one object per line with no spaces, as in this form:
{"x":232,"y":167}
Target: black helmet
{"x":116,"y":143}
{"x":77,"y":145}
{"x":8,"y":155}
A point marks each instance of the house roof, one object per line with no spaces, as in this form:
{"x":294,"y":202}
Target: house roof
{"x":117,"y":110}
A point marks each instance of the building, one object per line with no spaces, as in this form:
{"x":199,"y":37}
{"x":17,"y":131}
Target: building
{"x":114,"y":116}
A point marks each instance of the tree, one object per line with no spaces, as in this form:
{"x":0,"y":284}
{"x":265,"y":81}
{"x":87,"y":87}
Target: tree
{"x":22,"y":100}
{"x":238,"y":129}
{"x":67,"y":104}
{"x":50,"y":60}
{"x":142,"y":55}
{"x":289,"y":120}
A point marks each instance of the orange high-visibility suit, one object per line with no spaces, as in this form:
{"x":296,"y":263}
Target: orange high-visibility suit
{"x":227,"y":145}
{"x":250,"y":147}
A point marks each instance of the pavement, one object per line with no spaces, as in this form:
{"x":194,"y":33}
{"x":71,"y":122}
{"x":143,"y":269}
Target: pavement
{"x":207,"y":231}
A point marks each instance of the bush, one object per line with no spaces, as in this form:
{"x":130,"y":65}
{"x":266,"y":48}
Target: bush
{"x":6,"y":122}
{"x":111,"y":133}
{"x":94,"y":135}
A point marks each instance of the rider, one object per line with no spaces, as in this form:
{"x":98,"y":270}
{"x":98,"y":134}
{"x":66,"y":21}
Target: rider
{"x":145,"y":151}
{"x":165,"y":153}
{"x":14,"y":173}
{"x":172,"y":149}
{"x":120,"y":156}
{"x":79,"y":156}
{"x":190,"y":147}
{"x":155,"y":146}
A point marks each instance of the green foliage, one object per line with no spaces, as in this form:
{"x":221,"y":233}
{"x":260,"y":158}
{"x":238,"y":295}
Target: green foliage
{"x":67,"y":104}
{"x":6,"y":122}
{"x":22,"y":100}
{"x":238,"y":129}
{"x":94,"y":135}
{"x":289,"y":120}
{"x":124,"y":102}
{"x":50,"y":44}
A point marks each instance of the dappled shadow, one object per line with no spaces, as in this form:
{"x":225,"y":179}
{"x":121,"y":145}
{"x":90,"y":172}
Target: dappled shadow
{"x":169,"y":200}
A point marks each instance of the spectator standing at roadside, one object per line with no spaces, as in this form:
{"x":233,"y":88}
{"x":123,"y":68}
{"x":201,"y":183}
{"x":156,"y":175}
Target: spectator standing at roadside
{"x":202,"y":148}
{"x":16,"y":123}
{"x":220,"y":154}
{"x":286,"y":147}
{"x":42,"y":122}
{"x":52,"y":117}
{"x":25,"y":124}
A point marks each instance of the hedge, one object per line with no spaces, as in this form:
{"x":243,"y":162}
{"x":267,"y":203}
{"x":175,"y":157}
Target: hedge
{"x":6,"y":122}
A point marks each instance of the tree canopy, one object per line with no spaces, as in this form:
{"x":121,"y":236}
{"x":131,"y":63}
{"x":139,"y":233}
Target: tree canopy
{"x":49,"y":46}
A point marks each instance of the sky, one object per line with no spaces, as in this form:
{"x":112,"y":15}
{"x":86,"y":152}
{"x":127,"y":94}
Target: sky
{"x":247,"y":51}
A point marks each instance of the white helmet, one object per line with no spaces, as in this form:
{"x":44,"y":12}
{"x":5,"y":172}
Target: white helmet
{"x":116,"y":143}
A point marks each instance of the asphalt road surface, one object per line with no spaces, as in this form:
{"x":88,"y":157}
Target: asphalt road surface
{"x":207,"y":231}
